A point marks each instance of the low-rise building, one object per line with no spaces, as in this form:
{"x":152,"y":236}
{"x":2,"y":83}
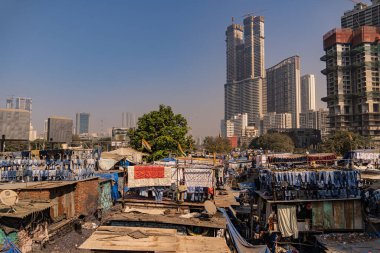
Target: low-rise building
{"x":316,"y":120}
{"x":276,"y":120}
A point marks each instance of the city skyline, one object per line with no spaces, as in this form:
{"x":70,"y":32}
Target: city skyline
{"x":97,"y":60}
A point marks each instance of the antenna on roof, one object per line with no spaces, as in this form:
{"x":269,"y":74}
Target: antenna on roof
{"x":232,"y":19}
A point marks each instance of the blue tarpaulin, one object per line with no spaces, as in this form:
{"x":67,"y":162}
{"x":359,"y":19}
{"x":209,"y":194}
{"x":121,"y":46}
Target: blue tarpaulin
{"x":247,"y":185}
{"x":115,"y":186}
{"x":168,"y":159}
{"x":9,"y":247}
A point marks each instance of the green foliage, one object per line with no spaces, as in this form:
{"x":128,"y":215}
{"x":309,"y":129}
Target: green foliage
{"x":217,"y":144}
{"x":340,"y":142}
{"x":163,"y":130}
{"x":276,"y":142}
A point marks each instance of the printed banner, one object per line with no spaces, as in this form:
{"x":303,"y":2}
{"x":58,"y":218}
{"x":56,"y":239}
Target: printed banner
{"x":148,"y":176}
{"x":149,"y":172}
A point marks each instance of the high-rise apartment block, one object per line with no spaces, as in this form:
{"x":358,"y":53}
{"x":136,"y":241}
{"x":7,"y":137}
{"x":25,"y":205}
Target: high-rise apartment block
{"x":316,"y":119}
{"x":362,"y":15}
{"x":25,"y":104}
{"x":14,"y":124}
{"x":353,"y":79}
{"x":245,"y":88}
{"x":307,"y":93}
{"x":82,"y":125}
{"x":284,"y":88}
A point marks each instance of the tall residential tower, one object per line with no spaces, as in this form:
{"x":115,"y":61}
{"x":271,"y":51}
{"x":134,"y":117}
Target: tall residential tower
{"x":353,"y":79}
{"x":245,"y":88}
{"x":307,"y":93}
{"x":361,"y":15}
{"x":284,"y":88}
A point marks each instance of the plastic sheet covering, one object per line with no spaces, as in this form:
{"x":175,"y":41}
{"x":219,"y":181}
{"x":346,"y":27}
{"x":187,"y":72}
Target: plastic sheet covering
{"x":115,"y":186}
{"x":106,"y":164}
{"x":9,"y":247}
{"x":241,"y":245}
{"x":130,"y":154}
{"x":287,"y":220}
{"x":146,"y":176}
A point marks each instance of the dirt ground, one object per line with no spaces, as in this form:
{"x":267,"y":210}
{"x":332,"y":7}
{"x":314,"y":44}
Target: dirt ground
{"x":69,"y":242}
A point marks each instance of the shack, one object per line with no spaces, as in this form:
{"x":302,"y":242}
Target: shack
{"x":68,"y":198}
{"x":26,"y":224}
{"x":309,"y":200}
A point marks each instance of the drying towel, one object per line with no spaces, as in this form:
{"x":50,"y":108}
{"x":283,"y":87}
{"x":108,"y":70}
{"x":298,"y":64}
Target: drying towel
{"x":287,"y":220}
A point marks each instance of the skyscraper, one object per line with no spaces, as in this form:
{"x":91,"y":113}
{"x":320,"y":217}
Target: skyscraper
{"x":19,"y":103}
{"x":284,"y":91}
{"x":353,"y":79}
{"x":361,"y":15}
{"x":82,"y":125}
{"x":128,"y":120}
{"x":245,"y":88}
{"x":307,"y":93}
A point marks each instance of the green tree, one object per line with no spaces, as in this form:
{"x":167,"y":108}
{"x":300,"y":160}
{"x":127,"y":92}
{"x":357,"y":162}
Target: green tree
{"x":164,"y":131}
{"x":340,"y":142}
{"x":276,"y":142}
{"x":217,"y":145}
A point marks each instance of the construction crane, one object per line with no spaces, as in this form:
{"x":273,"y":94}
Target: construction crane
{"x":356,"y":1}
{"x":253,"y":13}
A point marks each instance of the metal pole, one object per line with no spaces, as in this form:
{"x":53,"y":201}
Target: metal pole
{"x":124,"y":181}
{"x":2,"y":143}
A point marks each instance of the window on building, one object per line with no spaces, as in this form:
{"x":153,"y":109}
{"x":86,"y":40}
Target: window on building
{"x":375,"y":107}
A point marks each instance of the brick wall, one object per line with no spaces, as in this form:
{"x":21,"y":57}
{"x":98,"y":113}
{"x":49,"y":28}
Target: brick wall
{"x":86,"y":196}
{"x":43,"y":194}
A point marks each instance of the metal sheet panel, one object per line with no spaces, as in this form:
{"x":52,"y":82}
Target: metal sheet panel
{"x":349,"y":214}
{"x":327,"y":215}
{"x":339,"y":218}
{"x":358,"y":220}
{"x":317,"y":212}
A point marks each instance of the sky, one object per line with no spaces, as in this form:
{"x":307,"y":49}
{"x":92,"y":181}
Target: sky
{"x":106,"y":57}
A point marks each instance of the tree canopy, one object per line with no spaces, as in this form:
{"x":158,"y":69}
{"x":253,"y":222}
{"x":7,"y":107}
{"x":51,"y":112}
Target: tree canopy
{"x":340,"y":142}
{"x":276,"y":142}
{"x":217,"y":144}
{"x":165,"y":131}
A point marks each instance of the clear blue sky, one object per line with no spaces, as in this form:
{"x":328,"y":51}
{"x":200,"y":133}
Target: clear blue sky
{"x":109,"y":56}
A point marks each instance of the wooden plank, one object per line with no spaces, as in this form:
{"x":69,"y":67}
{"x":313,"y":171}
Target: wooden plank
{"x":338,"y":211}
{"x":190,"y":244}
{"x":358,"y":220}
{"x":327,"y":215}
{"x":214,"y":222}
{"x":116,"y":238}
{"x":111,"y":238}
{"x":317,"y":215}
{"x":349,"y":214}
